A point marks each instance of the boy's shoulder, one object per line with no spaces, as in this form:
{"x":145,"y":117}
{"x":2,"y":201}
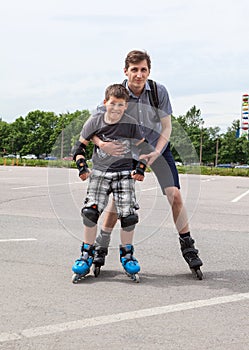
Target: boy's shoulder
{"x":126,"y":118}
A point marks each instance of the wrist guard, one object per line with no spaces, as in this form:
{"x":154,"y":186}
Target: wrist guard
{"x":141,"y":167}
{"x":79,"y":149}
{"x":82,"y":166}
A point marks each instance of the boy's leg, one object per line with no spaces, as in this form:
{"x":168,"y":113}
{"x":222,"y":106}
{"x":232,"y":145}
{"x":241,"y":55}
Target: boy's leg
{"x":83,"y":264}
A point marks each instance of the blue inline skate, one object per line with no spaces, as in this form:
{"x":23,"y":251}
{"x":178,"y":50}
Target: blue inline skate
{"x":190,"y":254}
{"x":129,"y":263}
{"x":82,"y":265}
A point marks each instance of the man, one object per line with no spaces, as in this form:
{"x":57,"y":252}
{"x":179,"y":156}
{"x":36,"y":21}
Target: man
{"x":156,"y":129}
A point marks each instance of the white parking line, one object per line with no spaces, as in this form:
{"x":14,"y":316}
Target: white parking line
{"x":17,"y":240}
{"x":114,"y":318}
{"x":48,"y":185}
{"x":239,"y":197}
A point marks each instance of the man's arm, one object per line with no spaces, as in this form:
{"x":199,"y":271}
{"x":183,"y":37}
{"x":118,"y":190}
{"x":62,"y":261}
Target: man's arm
{"x":109,"y":147}
{"x":162,"y":141}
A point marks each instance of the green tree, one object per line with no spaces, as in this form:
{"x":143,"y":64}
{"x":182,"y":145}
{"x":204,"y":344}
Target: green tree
{"x":40,"y":136}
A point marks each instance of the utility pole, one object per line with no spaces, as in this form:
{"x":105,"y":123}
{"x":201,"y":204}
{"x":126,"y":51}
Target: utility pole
{"x":201,"y":141}
{"x":217,"y":151}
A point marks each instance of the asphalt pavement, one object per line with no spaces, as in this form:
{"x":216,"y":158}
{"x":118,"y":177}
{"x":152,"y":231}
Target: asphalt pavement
{"x":40,"y":237}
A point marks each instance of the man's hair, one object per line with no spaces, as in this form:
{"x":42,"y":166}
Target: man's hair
{"x":118,"y":91}
{"x":136,"y":56}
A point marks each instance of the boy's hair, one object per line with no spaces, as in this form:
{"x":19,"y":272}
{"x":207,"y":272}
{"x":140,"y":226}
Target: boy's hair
{"x":136,"y":56}
{"x":118,"y":91}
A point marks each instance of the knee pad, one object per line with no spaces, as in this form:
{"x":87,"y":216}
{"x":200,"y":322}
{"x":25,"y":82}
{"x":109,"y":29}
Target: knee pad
{"x":90,"y":215}
{"x":128,"y":223}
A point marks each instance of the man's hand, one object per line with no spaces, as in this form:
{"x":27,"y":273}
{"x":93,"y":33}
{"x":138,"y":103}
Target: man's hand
{"x":112,"y":148}
{"x":150,"y":157}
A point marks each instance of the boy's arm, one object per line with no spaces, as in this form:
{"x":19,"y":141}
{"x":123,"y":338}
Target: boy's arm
{"x":79,"y":152}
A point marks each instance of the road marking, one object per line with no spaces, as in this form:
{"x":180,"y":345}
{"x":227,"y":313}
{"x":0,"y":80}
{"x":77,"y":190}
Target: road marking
{"x":48,"y":185}
{"x":17,"y":239}
{"x":239,"y":197}
{"x":149,"y":189}
{"x":114,"y":318}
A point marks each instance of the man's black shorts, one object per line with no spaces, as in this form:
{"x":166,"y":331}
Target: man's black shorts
{"x":165,"y":170}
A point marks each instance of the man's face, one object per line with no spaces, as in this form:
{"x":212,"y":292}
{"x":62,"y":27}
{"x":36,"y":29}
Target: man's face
{"x":137,"y":75}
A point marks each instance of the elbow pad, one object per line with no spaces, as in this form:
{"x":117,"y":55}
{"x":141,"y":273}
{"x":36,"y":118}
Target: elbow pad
{"x":79,"y":149}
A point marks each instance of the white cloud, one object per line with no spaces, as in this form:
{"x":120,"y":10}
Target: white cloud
{"x":61,"y":55}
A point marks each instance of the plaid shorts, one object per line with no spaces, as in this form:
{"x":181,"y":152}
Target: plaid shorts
{"x":120,"y":184}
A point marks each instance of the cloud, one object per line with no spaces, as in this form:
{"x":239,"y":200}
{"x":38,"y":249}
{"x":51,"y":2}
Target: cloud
{"x":58,"y":56}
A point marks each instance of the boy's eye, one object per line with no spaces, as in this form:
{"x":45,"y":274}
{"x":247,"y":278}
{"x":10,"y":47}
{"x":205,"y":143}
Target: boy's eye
{"x":120,"y":105}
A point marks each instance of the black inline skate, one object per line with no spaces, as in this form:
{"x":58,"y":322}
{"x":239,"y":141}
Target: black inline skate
{"x":99,"y":259}
{"x":190,"y":254}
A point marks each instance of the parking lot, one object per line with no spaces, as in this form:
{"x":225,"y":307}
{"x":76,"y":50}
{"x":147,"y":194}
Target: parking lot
{"x":40,"y":237}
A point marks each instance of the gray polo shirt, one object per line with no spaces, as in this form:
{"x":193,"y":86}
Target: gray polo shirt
{"x":141,"y":109}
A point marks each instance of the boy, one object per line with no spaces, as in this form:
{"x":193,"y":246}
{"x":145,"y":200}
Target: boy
{"x":110,"y":174}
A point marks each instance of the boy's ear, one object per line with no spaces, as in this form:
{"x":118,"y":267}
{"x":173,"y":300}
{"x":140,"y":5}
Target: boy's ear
{"x":104,"y":101}
{"x":125,"y":71}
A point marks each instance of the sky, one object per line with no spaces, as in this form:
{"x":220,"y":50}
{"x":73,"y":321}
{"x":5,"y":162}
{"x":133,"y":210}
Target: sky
{"x":61,"y":55}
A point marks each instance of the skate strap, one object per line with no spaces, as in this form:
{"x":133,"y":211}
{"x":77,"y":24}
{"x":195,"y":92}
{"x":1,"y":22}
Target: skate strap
{"x":190,"y":250}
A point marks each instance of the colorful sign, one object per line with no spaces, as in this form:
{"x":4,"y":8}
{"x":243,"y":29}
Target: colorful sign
{"x":244,"y":115}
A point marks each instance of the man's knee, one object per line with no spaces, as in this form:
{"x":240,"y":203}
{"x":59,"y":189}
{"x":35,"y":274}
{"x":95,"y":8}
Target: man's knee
{"x":173,"y":195}
{"x":129,"y":222}
{"x":90,"y":215}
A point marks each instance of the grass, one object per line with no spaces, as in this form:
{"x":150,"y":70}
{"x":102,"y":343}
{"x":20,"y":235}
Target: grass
{"x":199,"y":170}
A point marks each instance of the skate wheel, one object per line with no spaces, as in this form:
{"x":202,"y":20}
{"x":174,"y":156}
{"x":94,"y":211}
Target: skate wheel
{"x":136,"y":278}
{"x":199,"y":274}
{"x":96,"y":270}
{"x":75,"y":278}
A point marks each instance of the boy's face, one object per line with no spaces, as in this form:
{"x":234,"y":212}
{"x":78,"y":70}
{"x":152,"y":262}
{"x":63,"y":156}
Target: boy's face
{"x":137,"y":74}
{"x":115,"y":107}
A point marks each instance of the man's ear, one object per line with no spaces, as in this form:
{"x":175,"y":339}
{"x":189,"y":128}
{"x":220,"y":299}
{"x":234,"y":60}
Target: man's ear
{"x":125,"y":71}
{"x":104,"y":101}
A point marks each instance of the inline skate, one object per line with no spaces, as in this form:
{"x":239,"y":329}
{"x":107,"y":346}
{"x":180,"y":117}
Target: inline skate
{"x":129,"y":263}
{"x":82,"y":265}
{"x":99,"y":259}
{"x":190,"y":254}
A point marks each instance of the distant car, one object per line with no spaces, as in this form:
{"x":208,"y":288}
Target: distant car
{"x":30,"y":156}
{"x":10,"y":156}
{"x":178,"y":163}
{"x":224,"y":166}
{"x":50,"y":158}
{"x":242,"y":166}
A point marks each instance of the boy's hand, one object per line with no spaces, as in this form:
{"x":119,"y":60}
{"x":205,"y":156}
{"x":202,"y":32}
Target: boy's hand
{"x":137,"y":177}
{"x":138,"y":173}
{"x":83,"y":169}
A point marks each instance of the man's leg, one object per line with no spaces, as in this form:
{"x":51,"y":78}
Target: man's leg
{"x":180,"y":217}
{"x":104,"y":237}
{"x":178,"y":210}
